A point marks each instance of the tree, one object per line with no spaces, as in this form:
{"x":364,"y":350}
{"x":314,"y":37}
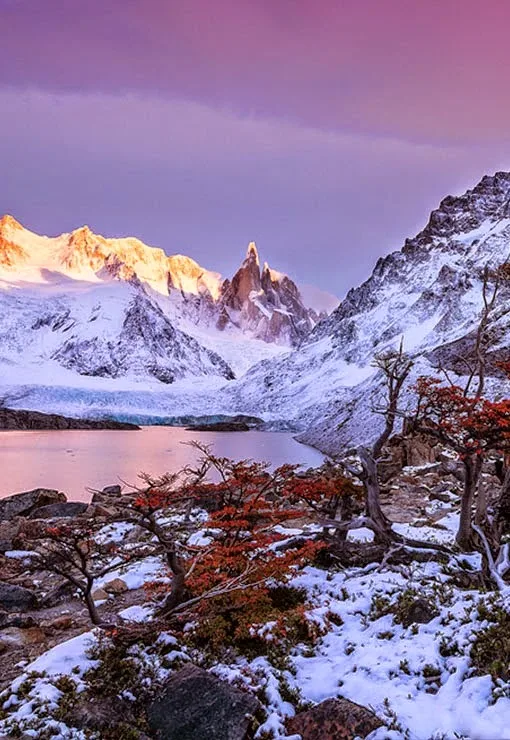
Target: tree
{"x":471,"y":426}
{"x":327,"y":492}
{"x":460,"y":416}
{"x":242,"y":555}
{"x":73,"y":550}
{"x":395,"y":366}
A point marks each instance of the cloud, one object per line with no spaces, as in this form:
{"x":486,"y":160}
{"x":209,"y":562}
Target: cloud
{"x":420,"y":71}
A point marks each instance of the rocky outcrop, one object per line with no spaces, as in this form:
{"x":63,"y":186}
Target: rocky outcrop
{"x":334,"y":719}
{"x":23,"y":504}
{"x":23,"y":419}
{"x":266,"y":303}
{"x":222,"y":711}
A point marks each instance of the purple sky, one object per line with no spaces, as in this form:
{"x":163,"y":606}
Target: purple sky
{"x":326,"y":130}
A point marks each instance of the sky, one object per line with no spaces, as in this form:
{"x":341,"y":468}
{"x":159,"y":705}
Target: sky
{"x":324,"y":130}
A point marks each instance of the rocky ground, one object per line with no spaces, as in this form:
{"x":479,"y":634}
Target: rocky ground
{"x":395,"y":657}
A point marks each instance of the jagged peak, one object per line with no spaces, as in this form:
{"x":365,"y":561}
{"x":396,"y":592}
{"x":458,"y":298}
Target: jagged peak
{"x":252,"y":253}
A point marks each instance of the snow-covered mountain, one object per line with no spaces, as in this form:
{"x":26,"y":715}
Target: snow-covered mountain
{"x":429,"y":293}
{"x":115,"y":308}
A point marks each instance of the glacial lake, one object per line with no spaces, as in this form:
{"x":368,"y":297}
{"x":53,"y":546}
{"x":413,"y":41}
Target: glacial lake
{"x":72,"y":461}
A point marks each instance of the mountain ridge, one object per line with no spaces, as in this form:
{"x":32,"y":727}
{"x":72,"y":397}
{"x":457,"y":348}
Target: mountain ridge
{"x":428,"y":294}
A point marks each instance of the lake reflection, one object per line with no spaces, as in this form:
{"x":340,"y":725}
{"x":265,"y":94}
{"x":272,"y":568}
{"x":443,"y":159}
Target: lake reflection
{"x":71,"y":461}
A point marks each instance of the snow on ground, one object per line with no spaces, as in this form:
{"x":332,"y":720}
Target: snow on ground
{"x":382,"y":665}
{"x":418,"y":679}
{"x":136,"y":574}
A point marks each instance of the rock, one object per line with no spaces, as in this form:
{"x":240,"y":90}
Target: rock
{"x":107,"y":495}
{"x":16,"y":637}
{"x":334,"y":719}
{"x":22,"y":504}
{"x":420,"y":611}
{"x":99,"y":594}
{"x":59,"y":511}
{"x":22,"y":621}
{"x":64,"y":622}
{"x":195,"y":705}
{"x":8,"y":532}
{"x":16,"y":598}
{"x":115,"y":586}
{"x":99,"y":511}
{"x":112,"y":491}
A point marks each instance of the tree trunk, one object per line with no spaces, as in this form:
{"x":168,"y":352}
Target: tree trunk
{"x":481,"y":497}
{"x":503,"y":506}
{"x":92,"y":609}
{"x":472,"y":469}
{"x":383,"y":533}
{"x":177,"y":591}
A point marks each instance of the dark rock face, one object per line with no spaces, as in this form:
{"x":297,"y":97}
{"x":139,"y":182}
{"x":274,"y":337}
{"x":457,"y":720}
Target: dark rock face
{"x":16,"y":598}
{"x":266,"y":303}
{"x":195,"y":705}
{"x":59,"y":511}
{"x":334,"y":719}
{"x":22,"y":504}
{"x":21,"y":419}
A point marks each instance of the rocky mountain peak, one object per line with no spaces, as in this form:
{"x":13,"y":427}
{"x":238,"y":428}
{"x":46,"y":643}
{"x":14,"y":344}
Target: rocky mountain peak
{"x":252,"y":253}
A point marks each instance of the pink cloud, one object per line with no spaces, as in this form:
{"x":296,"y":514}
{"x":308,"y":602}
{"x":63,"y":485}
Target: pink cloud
{"x":421,"y":71}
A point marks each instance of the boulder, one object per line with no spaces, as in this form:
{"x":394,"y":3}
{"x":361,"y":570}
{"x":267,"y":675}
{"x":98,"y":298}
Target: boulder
{"x":112,"y":490}
{"x":59,"y":511}
{"x":22,"y":504}
{"x":16,"y":598}
{"x":196,"y":705}
{"x":334,"y":719}
{"x":99,"y":594}
{"x":115,"y":586}
{"x":107,"y":495}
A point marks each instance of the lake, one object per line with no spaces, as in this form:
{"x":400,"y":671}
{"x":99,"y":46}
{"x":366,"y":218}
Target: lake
{"x":72,"y":460}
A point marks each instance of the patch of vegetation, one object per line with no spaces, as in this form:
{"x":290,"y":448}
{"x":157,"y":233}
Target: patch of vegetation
{"x":490,"y":651}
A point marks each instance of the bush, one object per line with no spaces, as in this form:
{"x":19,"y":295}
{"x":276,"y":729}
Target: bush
{"x":490,"y":652}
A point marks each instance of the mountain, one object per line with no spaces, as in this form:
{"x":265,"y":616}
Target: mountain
{"x":120,"y":321}
{"x":429,"y":294}
{"x":82,"y":304}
